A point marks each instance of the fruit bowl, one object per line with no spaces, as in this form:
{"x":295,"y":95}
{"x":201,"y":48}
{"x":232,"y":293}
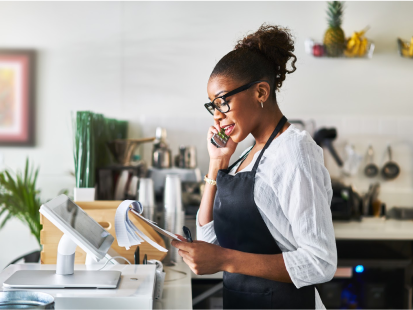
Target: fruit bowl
{"x":405,"y":48}
{"x":317,"y":49}
{"x":363,"y":52}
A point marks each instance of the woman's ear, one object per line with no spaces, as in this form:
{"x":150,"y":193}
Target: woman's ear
{"x":263,"y":92}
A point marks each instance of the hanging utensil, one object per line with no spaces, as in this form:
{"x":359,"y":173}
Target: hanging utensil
{"x":325,"y":137}
{"x":390,"y":170}
{"x":371,"y":170}
{"x":352,"y":162}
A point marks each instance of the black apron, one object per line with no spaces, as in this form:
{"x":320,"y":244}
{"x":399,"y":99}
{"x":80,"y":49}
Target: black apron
{"x":239,"y":226}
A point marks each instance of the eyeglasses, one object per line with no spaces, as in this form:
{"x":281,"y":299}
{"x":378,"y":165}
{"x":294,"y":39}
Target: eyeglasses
{"x":220,"y":103}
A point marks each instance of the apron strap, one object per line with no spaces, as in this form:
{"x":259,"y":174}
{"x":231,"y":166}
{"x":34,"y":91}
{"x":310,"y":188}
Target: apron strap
{"x":277,"y":129}
{"x":240,"y":159}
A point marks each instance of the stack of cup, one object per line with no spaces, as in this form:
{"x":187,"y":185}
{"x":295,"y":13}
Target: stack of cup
{"x":146,"y":197}
{"x":174,"y":213}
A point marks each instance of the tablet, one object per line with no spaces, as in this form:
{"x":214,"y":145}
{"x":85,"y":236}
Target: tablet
{"x":78,"y":225}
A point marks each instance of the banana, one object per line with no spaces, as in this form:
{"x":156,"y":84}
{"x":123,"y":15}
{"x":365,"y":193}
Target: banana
{"x":405,"y":52}
{"x":356,"y":48}
{"x":357,"y":44}
{"x":404,"y":45}
{"x":406,"y":48}
{"x":363,"y":47}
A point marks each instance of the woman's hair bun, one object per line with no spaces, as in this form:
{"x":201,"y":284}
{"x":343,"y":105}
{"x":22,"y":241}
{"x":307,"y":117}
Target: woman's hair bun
{"x":262,"y":54}
{"x":276,"y":44}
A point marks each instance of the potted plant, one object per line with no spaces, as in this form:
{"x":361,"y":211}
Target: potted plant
{"x":92,"y":132}
{"x":19,"y":198}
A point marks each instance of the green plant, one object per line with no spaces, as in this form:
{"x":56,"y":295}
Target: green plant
{"x":91,"y":133}
{"x":19,"y":198}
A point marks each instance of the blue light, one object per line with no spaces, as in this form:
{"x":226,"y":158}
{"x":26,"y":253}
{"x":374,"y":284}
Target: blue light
{"x":359,"y":269}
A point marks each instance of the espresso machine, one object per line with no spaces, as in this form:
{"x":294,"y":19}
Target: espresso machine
{"x":183,"y":165}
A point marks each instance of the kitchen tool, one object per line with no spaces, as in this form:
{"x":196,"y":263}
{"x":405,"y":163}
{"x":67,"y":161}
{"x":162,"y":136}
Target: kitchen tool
{"x":122,"y":149}
{"x":174,"y":214}
{"x":26,"y":300}
{"x":390,"y":169}
{"x":371,"y":195}
{"x":220,"y":139}
{"x":352,"y":162}
{"x":345,"y":202}
{"x":161,"y":154}
{"x":146,"y":197}
{"x":371,"y":170}
{"x":186,"y":157}
{"x":325,"y":137}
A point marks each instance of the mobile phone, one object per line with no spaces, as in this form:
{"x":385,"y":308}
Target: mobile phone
{"x":220,"y":139}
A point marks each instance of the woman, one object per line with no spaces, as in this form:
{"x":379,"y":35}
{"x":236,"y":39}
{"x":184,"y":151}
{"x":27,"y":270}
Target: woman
{"x":266,"y":222}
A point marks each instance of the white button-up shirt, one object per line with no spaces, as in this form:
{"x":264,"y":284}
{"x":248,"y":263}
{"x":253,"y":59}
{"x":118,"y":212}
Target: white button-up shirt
{"x":293,"y":195}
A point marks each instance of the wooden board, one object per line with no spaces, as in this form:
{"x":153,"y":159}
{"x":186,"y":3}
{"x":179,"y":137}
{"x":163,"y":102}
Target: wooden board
{"x":102,"y":212}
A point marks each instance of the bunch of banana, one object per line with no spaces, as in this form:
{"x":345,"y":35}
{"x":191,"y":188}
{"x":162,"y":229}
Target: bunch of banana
{"x":406,"y":49}
{"x":357,"y":44}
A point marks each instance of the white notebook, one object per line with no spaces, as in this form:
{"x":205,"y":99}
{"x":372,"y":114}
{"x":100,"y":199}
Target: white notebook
{"x":127,"y":234}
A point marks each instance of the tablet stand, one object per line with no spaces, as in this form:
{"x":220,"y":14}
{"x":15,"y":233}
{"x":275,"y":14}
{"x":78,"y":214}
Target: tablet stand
{"x":65,"y":276}
{"x":66,"y":256}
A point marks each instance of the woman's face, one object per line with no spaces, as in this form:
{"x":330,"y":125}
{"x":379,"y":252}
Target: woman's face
{"x":240,"y":119}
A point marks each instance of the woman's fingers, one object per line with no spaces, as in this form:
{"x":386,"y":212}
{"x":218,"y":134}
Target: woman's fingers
{"x":211,"y":131}
{"x":216,"y":125}
{"x":182,"y":238}
{"x":186,"y":246}
{"x":185,"y":255}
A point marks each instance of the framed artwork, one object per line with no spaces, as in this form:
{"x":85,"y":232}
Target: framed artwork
{"x":17,"y":95}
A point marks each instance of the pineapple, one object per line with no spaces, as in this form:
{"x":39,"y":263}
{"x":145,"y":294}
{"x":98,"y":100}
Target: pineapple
{"x":334,"y":39}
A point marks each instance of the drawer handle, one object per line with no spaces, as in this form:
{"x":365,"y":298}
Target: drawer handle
{"x":105,"y":225}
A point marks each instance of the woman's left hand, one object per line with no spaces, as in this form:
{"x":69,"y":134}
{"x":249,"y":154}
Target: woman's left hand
{"x":202,"y":257}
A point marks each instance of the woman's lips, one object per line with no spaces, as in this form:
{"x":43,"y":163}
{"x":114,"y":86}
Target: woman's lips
{"x":229,"y":129}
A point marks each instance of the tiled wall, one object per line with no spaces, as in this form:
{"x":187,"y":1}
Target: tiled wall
{"x":357,"y":131}
{"x":379,"y":132}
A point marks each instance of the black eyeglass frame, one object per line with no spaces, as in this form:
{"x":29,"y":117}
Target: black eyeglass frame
{"x":231,"y":93}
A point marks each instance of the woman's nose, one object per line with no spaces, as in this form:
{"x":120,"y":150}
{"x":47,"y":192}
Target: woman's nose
{"x":218,"y":115}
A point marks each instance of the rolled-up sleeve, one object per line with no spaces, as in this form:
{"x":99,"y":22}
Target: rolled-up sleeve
{"x":305,"y":197}
{"x":206,"y":232}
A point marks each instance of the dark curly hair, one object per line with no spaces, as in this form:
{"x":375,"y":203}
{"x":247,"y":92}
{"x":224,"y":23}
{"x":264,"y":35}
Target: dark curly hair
{"x":261,"y":55}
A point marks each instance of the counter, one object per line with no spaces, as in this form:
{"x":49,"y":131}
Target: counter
{"x":374,"y":229}
{"x":129,"y":294}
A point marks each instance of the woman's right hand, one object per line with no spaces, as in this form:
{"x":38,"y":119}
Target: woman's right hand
{"x":216,"y":153}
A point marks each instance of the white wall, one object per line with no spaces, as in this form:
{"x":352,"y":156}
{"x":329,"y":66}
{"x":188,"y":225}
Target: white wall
{"x":149,"y":62}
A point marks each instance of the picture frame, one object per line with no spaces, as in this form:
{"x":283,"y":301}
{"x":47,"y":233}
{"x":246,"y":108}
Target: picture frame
{"x":17,"y":97}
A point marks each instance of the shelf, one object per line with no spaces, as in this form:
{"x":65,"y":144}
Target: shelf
{"x":311,"y":47}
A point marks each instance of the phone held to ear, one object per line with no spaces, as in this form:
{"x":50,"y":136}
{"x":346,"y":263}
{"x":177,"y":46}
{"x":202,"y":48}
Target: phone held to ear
{"x":220,"y":139}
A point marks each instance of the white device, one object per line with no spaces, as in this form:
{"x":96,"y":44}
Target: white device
{"x":79,"y":229}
